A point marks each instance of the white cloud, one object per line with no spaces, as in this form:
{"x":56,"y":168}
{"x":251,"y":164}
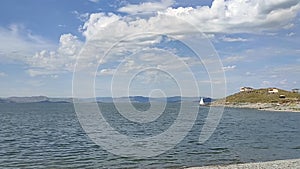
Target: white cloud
{"x":250,"y":74}
{"x":229,"y":39}
{"x":155,"y":58}
{"x":229,"y":68}
{"x":17,"y":43}
{"x":105,"y":29}
{"x":289,"y":26}
{"x":211,"y":36}
{"x":62,"y":60}
{"x":106,"y":72}
{"x":293,"y":69}
{"x":98,"y":23}
{"x":146,"y":7}
{"x":222,"y":17}
{"x":280,"y":76}
{"x":266,"y":83}
{"x":154,"y":77}
{"x":291,"y":34}
{"x":54,"y":76}
{"x":95,"y":1}
{"x":2,"y":74}
{"x":81,"y":16}
{"x":271,"y":33}
{"x":232,"y":59}
{"x":42,"y":72}
{"x":62,"y":25}
{"x":239,"y":16}
{"x":283,"y":82}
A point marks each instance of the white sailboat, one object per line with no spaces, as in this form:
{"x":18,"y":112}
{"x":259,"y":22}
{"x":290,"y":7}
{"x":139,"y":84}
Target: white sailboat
{"x":201,"y":103}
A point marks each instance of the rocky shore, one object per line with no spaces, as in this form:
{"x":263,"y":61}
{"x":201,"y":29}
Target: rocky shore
{"x":288,"y":107}
{"x":280,"y":164}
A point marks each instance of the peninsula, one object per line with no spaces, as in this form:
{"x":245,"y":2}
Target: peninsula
{"x":272,"y":99}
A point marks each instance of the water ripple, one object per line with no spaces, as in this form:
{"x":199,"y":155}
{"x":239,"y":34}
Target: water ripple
{"x":49,"y":136}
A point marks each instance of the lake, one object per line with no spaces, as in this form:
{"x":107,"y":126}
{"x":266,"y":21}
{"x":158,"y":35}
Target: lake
{"x":49,"y":135}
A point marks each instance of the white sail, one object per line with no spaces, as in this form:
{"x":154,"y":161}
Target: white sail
{"x":201,"y":101}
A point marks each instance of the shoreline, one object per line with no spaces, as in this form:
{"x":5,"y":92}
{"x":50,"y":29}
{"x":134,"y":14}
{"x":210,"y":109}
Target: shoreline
{"x":278,"y":164}
{"x":286,"y":107}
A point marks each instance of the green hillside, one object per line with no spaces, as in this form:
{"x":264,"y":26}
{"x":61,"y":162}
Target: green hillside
{"x":262,"y":96}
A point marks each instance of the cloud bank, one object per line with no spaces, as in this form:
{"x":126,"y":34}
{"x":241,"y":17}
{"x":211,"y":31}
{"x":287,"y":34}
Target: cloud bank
{"x":227,"y":17}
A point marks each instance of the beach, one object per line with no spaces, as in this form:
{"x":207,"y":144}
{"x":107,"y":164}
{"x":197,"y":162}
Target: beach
{"x":280,"y":164}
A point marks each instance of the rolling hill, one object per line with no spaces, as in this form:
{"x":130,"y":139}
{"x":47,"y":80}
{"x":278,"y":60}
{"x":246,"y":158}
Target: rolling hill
{"x":262,"y":96}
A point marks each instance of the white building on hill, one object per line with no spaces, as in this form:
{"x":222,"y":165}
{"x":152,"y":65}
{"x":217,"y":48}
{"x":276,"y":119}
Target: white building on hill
{"x":246,"y":89}
{"x":272,"y":90}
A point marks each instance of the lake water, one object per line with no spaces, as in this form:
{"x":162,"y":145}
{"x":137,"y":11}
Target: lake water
{"x":48,"y":135}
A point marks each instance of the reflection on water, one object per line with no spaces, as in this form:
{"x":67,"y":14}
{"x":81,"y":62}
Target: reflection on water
{"x":49,"y":135}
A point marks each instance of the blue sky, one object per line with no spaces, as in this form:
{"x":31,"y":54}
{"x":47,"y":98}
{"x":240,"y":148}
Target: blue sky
{"x":40,"y":42}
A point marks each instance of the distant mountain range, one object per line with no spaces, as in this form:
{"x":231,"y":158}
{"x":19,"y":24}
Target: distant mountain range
{"x":35,"y":99}
{"x":138,"y":99}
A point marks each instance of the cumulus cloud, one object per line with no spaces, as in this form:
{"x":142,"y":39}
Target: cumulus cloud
{"x":105,"y":29}
{"x":222,"y":17}
{"x":49,"y":62}
{"x":146,"y":7}
{"x":239,"y":16}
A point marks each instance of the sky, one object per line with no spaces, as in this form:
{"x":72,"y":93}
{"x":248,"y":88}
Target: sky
{"x":150,"y":48}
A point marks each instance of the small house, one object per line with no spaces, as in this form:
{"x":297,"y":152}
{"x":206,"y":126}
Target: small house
{"x":272,"y":90}
{"x":246,"y":89}
{"x":282,"y":96}
{"x":295,"y":90}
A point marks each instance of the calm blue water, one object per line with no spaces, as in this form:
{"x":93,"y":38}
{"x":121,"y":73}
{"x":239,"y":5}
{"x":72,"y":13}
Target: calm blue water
{"x":48,"y":135}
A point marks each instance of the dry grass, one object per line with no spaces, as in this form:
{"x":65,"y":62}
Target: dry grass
{"x":262,"y":96}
